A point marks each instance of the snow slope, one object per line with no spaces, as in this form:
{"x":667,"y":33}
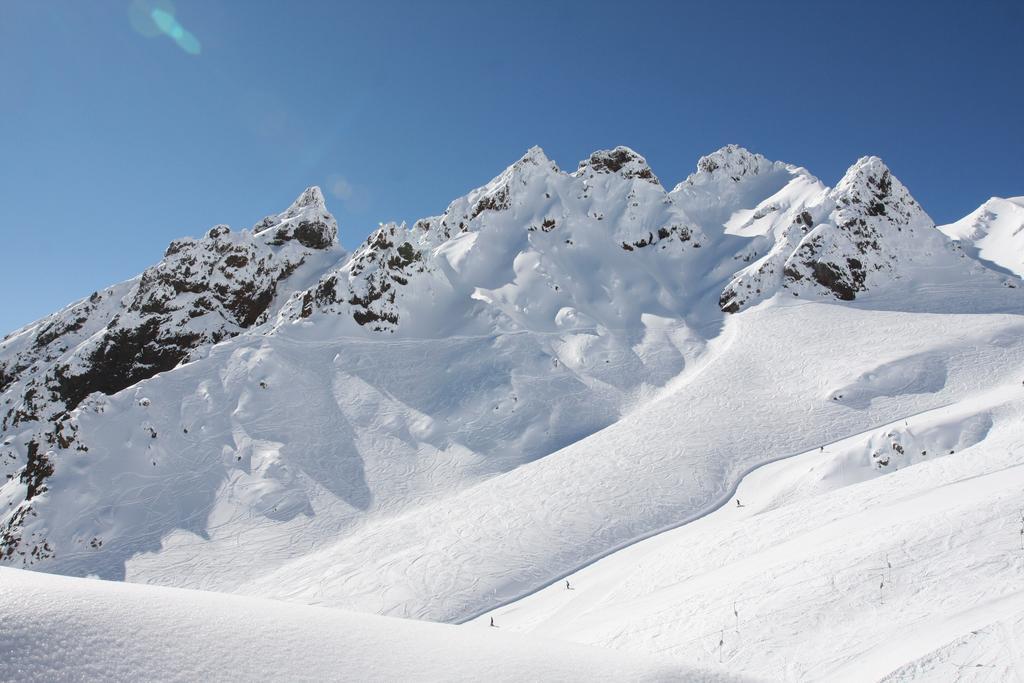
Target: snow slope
{"x":994,"y":231}
{"x":829,"y":570}
{"x":58,"y":628}
{"x":755,"y":396}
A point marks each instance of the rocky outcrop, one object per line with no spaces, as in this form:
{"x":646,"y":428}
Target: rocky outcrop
{"x":621,"y":160}
{"x":366,"y":287}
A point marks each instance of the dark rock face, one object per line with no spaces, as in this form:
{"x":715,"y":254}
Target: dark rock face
{"x":37,"y":470}
{"x":122,"y":358}
{"x":728,"y":302}
{"x":681,"y":233}
{"x":831,"y":277}
{"x":204,"y":291}
{"x":306,"y":221}
{"x":315,"y":235}
{"x":707,"y":165}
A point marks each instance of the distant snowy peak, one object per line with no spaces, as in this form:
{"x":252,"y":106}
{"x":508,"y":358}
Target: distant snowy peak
{"x":621,"y":160}
{"x":312,"y":198}
{"x":994,"y":232}
{"x":730,"y":163}
{"x":865,"y":234}
{"x":510,"y":251}
{"x":463,"y":214}
{"x":861,"y":240}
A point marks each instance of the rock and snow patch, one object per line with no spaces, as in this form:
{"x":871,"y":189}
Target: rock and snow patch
{"x":731,"y":163}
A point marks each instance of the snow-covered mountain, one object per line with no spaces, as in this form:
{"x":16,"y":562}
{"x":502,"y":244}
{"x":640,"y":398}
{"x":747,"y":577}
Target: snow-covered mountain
{"x":864,"y":234}
{"x":458,"y":412}
{"x":995,"y":232}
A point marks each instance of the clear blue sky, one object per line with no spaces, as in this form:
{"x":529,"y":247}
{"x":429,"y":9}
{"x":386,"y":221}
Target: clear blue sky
{"x":122,"y":128}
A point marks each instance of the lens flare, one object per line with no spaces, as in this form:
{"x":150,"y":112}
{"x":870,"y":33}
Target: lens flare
{"x":153,"y":18}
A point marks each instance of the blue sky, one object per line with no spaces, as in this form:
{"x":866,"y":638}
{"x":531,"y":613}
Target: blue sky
{"x":118,"y":136}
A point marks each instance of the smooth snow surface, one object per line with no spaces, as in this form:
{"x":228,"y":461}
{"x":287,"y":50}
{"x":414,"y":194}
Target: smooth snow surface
{"x":829,"y":571}
{"x":995,"y":230}
{"x":59,"y":628}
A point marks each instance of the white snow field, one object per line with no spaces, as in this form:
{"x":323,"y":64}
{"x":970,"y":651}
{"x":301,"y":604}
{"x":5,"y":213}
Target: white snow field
{"x":830,"y":571}
{"x":60,"y":628}
{"x":451,"y":419}
{"x":756,"y":396}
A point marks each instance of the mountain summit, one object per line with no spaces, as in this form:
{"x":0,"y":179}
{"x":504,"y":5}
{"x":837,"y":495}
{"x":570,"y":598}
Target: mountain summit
{"x":270,"y":384}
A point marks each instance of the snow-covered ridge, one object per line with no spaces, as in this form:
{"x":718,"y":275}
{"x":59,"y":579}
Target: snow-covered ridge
{"x":266,"y":384}
{"x":58,"y":628}
{"x":730,"y":163}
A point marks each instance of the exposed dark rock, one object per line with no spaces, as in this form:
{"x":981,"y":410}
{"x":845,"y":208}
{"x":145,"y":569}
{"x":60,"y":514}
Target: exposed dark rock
{"x":621,"y":160}
{"x":831,"y":277}
{"x":37,"y":470}
{"x":499,"y":201}
{"x":236,"y":261}
{"x":123,"y":357}
{"x":215,"y":232}
{"x":728,"y":303}
{"x":314,"y":235}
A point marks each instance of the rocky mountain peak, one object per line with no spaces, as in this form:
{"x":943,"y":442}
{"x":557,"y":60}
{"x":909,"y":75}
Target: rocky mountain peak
{"x":863,"y":236}
{"x":311,"y":197}
{"x":869,"y":190}
{"x":731,"y":163}
{"x":621,"y":160}
{"x":534,"y":156}
{"x":306,"y":221}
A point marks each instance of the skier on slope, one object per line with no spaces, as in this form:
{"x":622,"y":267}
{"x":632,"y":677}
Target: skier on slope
{"x":738,"y":503}
{"x":567,"y":587}
{"x":492,"y":621}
